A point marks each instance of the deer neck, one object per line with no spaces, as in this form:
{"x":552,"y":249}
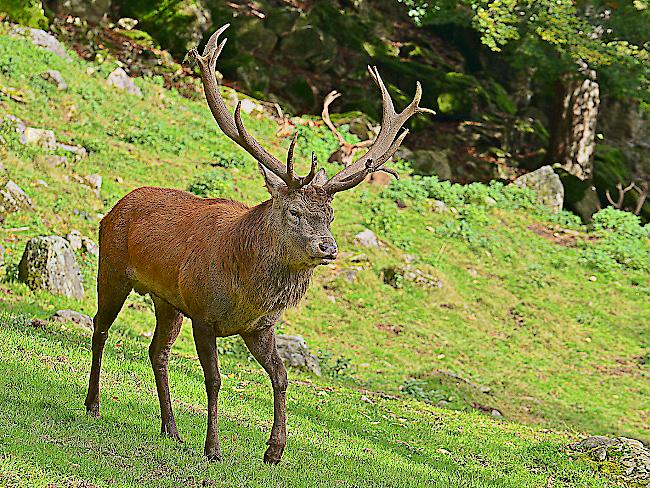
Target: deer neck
{"x":271,"y":278}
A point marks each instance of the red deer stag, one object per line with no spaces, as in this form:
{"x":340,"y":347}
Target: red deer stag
{"x":230,"y":268}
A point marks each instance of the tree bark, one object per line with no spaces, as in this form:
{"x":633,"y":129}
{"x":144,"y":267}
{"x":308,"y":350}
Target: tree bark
{"x":573,"y":128}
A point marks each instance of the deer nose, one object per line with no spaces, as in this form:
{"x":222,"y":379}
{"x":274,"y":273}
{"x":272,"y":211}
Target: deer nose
{"x":328,"y":246}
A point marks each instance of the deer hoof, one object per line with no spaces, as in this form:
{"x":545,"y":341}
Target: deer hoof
{"x":171,"y":432}
{"x":273,"y":454}
{"x":214,"y":456}
{"x":93,"y":410}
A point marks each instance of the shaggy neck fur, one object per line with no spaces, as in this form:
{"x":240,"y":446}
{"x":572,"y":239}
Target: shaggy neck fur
{"x":271,"y":282}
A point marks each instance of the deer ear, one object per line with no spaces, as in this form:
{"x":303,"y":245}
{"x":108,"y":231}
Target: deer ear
{"x":273,"y":183}
{"x":320,"y":179}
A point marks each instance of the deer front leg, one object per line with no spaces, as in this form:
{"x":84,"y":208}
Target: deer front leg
{"x":206,"y":348}
{"x":262,"y":345}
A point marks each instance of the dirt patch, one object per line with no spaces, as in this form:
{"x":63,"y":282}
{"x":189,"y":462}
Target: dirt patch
{"x":559,"y":236}
{"x":394,"y":330}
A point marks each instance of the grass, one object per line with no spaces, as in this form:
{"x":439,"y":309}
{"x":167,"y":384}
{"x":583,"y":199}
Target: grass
{"x":337,"y":436}
{"x":557,"y":331}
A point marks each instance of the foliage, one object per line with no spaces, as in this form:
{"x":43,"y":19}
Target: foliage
{"x":26,"y":12}
{"x":606,"y":36}
{"x":213,"y":184}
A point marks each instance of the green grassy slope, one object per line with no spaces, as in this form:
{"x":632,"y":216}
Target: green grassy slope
{"x":336,"y":437}
{"x":558,"y":333}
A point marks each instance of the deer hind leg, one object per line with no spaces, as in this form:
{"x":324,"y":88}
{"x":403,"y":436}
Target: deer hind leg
{"x":168,"y":324}
{"x":262,"y":345}
{"x":112,"y":290}
{"x":206,"y":348}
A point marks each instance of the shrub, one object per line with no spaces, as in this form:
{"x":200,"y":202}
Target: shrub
{"x":213,"y":184}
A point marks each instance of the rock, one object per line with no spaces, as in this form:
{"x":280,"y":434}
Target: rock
{"x":94,"y":181}
{"x":56,"y":161}
{"x":71,"y":316}
{"x":630,"y":454}
{"x":119,"y":79}
{"x":439,"y":206}
{"x":294,"y":351}
{"x":90,"y":246}
{"x":74,"y":240}
{"x":79,"y":152}
{"x":49,"y":263}
{"x":431,"y":162}
{"x":91,"y":10}
{"x":13,"y":199}
{"x":396,"y":276}
{"x":56,"y":78}
{"x":248,"y":106}
{"x":546,"y":184}
{"x":309,"y":48}
{"x":403,"y":153}
{"x":40,"y":137}
{"x":366,"y":238}
{"x":42,"y":39}
{"x":580,"y":196}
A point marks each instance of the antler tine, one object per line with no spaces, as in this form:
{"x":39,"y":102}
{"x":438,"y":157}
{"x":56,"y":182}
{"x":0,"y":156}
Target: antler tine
{"x":386,"y":143}
{"x":331,"y":96}
{"x":234,"y":127}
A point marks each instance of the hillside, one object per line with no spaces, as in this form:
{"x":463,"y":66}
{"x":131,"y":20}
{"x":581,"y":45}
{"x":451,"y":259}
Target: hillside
{"x":528,"y":313}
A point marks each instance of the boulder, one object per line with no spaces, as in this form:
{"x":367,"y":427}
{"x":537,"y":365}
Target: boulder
{"x":76,"y":317}
{"x":294,"y":352}
{"x":74,"y":240}
{"x":546,"y":184}
{"x":309,"y":48}
{"x":78,"y":152}
{"x":89,"y":246}
{"x":13,"y":199}
{"x":42,"y":39}
{"x":91,"y":10}
{"x":366,"y":238}
{"x":631,"y":455}
{"x":119,"y":79}
{"x":40,"y":137}
{"x":48,"y":263}
{"x":580,"y":196}
{"x":94,"y":181}
{"x":396,"y":276}
{"x":431,"y":162}
{"x":56,"y":78}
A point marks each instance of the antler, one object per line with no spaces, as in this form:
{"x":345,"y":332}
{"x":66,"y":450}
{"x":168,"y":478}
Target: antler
{"x":345,"y":153}
{"x":234,"y":127}
{"x":621,"y":194}
{"x":386,"y":143}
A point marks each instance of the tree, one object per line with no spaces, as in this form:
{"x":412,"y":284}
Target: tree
{"x":574,"y":42}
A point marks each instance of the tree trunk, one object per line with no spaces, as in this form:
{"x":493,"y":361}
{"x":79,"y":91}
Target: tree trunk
{"x":573,"y":128}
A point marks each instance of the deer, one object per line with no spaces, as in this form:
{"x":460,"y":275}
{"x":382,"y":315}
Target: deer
{"x":230,"y":268}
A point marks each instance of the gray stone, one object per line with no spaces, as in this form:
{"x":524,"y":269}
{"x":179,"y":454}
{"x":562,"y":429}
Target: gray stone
{"x":42,"y":39}
{"x":48,"y":263}
{"x":294,"y":352}
{"x":632,"y":456}
{"x":119,"y":79}
{"x":40,"y":137}
{"x":439,"y":206}
{"x":56,"y":161}
{"x":89,"y":246}
{"x":13,"y":199}
{"x":72,"y":316}
{"x":366,"y":238}
{"x":91,"y":10}
{"x":74,"y":240}
{"x":431,"y":162}
{"x":546,"y":184}
{"x":79,"y":152}
{"x":403,"y":153}
{"x":94,"y":181}
{"x":397,"y":276}
{"x":56,"y":78}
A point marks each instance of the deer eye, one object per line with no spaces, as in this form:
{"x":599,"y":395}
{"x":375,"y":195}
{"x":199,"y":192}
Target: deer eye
{"x":294,"y":213}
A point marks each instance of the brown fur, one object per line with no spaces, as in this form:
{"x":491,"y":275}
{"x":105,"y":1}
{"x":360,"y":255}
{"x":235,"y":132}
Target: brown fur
{"x":231,"y":268}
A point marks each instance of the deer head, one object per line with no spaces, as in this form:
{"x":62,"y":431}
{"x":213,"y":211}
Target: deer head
{"x":301,"y":205}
